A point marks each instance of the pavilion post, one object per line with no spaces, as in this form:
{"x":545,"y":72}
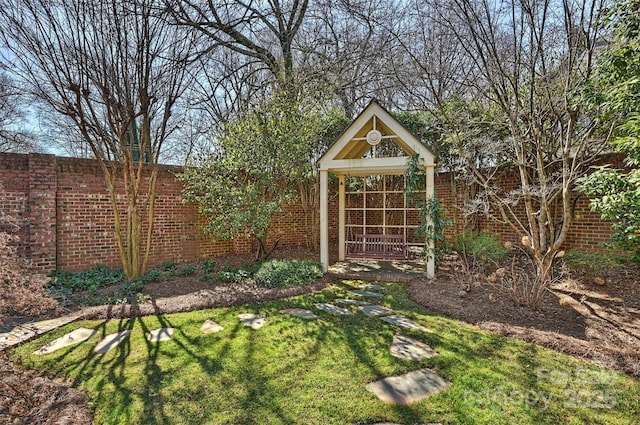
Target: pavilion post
{"x":324,"y":220}
{"x":341,"y":218}
{"x":430,"y":193}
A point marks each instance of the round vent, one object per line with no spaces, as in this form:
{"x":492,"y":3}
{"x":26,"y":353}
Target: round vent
{"x":374,"y":137}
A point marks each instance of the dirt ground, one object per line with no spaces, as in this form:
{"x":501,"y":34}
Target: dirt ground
{"x":600,"y":323}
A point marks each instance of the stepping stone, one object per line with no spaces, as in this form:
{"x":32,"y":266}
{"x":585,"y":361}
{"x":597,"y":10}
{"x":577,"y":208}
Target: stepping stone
{"x":300,"y":312}
{"x":352,"y":302}
{"x":408,"y":388}
{"x":209,"y":327}
{"x":111,"y":341}
{"x":371,"y":287}
{"x":333,"y":309}
{"x":162,"y":334}
{"x":79,"y":335}
{"x":360,"y":293}
{"x":404,"y":322}
{"x":375,"y":310}
{"x":252,"y":320}
{"x":407,"y":348}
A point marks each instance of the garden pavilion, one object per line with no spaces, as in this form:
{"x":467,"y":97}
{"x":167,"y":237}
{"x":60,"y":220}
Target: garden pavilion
{"x":369,"y":160}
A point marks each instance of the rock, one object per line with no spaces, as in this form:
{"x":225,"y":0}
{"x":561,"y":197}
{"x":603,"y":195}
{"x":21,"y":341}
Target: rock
{"x":365,"y":294}
{"x":375,"y":310}
{"x":111,"y":341}
{"x":408,"y":388}
{"x":599,"y":281}
{"x":254,"y":321}
{"x":333,"y":309}
{"x":350,"y":301}
{"x":162,"y":334}
{"x":209,"y":327}
{"x":404,"y":322}
{"x":74,"y":337}
{"x":300,"y":312}
{"x":407,"y":348}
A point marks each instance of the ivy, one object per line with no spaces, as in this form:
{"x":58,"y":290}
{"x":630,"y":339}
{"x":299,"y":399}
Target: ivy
{"x":433,"y":219}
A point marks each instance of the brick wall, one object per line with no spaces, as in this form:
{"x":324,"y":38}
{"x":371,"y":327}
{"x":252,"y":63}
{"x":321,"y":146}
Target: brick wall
{"x":65,"y":221}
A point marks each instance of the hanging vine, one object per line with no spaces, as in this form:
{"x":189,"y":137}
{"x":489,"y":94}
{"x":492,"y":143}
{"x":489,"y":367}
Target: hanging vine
{"x":433,"y":220}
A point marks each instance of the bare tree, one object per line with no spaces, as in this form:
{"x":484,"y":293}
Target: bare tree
{"x":116,"y":71}
{"x":528,"y":59}
{"x":13,"y":138}
{"x":348,"y":46}
{"x":261,"y":32}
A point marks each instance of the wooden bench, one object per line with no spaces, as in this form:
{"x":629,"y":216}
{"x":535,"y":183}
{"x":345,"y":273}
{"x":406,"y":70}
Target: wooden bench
{"x":379,"y":247}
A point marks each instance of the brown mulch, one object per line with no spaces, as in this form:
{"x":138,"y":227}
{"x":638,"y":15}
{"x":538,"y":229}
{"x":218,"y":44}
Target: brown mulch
{"x":577,"y":316}
{"x":600,"y":323}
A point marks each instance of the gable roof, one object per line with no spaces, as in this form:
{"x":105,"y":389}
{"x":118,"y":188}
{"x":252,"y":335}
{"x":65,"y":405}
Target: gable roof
{"x":345,"y":156}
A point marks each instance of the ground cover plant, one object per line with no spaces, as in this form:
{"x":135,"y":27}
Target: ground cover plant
{"x":101,"y":285}
{"x":314,"y":372}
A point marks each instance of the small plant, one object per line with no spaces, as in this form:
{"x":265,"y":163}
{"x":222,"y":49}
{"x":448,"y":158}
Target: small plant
{"x":187,"y":270}
{"x":170,"y":266}
{"x":235,"y":276}
{"x":285,"y":273}
{"x":208,"y":266}
{"x":518,"y":283}
{"x":131,"y":287}
{"x":150,"y":276}
{"x":479,"y":252}
{"x":589,"y":262}
{"x":67,"y":282}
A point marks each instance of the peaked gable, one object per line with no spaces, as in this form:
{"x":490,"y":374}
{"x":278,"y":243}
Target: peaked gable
{"x":368,"y":129}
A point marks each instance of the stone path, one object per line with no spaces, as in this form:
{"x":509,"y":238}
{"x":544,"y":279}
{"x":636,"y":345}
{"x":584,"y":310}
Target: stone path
{"x":75,"y":337}
{"x":408,"y":388}
{"x":403,"y":389}
{"x":375,"y":310}
{"x":360,"y":293}
{"x":352,"y":302}
{"x":252,"y":320}
{"x":26,"y":331}
{"x":111,"y":341}
{"x":300,"y":312}
{"x":333,"y":309}
{"x":162,"y":334}
{"x":209,"y":327}
{"x":404,"y":322}
{"x":407,"y":348}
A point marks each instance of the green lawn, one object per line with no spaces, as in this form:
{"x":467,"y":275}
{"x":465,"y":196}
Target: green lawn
{"x":297,"y":371}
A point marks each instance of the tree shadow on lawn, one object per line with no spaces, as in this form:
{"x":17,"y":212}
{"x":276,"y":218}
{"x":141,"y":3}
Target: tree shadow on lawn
{"x":471,"y":360}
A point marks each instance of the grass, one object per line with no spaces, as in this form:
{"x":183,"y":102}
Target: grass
{"x":296,"y":371}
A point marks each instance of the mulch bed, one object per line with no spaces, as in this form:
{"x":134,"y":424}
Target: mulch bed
{"x":600,"y":323}
{"x":577,"y":317}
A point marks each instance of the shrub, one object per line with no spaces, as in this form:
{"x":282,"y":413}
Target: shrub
{"x":91,"y":279}
{"x":589,"y":262}
{"x":285,"y":273}
{"x":23,"y":293}
{"x":481,"y":246}
{"x":187,"y":270}
{"x":479,"y":252}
